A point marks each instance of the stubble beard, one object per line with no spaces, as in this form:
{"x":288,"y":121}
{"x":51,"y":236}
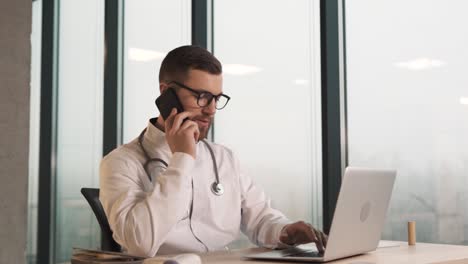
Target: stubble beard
{"x":204,"y":132}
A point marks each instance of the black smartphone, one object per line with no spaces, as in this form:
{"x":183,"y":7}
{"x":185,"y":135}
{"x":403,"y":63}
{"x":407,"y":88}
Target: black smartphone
{"x":168,"y":100}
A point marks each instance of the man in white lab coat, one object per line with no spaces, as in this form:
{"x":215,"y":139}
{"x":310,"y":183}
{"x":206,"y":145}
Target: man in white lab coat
{"x":160,"y":192}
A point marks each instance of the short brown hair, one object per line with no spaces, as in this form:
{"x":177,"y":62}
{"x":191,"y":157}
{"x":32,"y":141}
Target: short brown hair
{"x":179,"y":61}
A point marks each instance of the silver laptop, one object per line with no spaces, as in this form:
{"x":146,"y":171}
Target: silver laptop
{"x":357,"y":222}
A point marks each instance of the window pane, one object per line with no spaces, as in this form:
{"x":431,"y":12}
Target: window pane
{"x":35,"y":107}
{"x":79,"y":121}
{"x":271,"y":71}
{"x":408,"y":109}
{"x":152,"y":28}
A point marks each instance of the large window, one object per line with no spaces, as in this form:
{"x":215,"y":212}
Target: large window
{"x":79,"y":123}
{"x":78,"y":118}
{"x":271,"y":66}
{"x":408,"y":109}
{"x":34,"y":113}
{"x":151,"y":29}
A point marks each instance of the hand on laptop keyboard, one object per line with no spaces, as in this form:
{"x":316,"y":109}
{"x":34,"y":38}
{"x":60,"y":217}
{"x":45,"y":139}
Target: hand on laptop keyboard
{"x":303,"y":233}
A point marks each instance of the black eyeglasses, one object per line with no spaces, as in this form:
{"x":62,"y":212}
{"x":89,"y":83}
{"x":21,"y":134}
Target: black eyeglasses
{"x":204,"y":98}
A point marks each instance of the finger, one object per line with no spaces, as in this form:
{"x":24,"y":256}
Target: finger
{"x":170,"y":119}
{"x":191,"y":127}
{"x":309,"y":231}
{"x":188,"y":124}
{"x":319,"y":242}
{"x":324,"y":239}
{"x":179,"y":119}
{"x":314,"y":238}
{"x":320,"y":236}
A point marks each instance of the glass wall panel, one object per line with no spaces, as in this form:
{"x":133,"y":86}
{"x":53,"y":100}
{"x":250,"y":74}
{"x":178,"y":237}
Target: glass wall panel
{"x":270,"y":52}
{"x":151,"y":29}
{"x":79,"y":122}
{"x":408,"y":109}
{"x":35,"y":106}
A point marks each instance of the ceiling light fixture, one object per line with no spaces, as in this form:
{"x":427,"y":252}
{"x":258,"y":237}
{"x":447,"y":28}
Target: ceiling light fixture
{"x":144,"y":55}
{"x":420,"y":64}
{"x":240,"y":69}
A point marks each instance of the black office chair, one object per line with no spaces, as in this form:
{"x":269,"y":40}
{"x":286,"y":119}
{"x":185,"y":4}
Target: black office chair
{"x":107,"y":242}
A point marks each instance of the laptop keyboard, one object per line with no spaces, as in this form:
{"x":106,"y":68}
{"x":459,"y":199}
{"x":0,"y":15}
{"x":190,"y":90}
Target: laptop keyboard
{"x":297,"y":252}
{"x":310,"y":254}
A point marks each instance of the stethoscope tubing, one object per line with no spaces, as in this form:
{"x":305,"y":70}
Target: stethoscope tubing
{"x":216,"y":187}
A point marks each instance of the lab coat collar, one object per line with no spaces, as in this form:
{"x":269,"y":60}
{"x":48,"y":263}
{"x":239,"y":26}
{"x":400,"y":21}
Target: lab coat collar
{"x":155,"y":139}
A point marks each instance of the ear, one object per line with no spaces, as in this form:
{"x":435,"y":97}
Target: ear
{"x":163,"y":87}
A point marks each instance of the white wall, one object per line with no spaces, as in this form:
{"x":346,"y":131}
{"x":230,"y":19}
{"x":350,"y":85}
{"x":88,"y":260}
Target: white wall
{"x":15,"y":30}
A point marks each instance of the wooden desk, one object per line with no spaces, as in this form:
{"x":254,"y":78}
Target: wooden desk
{"x":421,"y":253}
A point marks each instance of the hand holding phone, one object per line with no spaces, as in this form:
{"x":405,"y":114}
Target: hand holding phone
{"x":181,"y":133}
{"x":168,"y":100}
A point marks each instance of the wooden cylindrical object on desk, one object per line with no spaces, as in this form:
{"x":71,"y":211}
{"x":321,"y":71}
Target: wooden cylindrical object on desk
{"x":412,"y":233}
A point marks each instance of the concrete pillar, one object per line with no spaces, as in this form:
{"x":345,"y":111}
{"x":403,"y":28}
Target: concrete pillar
{"x":15,"y":53}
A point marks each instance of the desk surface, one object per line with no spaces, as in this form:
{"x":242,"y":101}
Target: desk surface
{"x":402,"y":253}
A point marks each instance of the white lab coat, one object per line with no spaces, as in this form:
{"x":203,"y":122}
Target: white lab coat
{"x":153,"y":217}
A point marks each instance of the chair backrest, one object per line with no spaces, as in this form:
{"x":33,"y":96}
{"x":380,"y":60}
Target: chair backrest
{"x":107,"y":242}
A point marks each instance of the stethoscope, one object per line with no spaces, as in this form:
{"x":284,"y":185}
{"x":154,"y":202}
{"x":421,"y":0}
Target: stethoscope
{"x":216,"y":187}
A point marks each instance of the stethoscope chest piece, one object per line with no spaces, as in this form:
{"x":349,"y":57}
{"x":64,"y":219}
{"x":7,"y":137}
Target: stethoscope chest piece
{"x":217,"y":188}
